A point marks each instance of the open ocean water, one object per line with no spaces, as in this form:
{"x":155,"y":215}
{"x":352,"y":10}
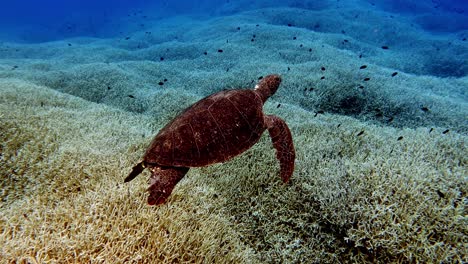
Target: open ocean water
{"x":375,"y":94}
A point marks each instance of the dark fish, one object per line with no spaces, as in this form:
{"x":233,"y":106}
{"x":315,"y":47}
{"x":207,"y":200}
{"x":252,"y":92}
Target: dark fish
{"x":206,"y":53}
{"x":294,"y":38}
{"x":363,"y":67}
{"x":131,"y":96}
{"x":289,"y":25}
{"x":220,"y":50}
{"x":310,"y":50}
{"x":361,"y":86}
{"x":390,"y":119}
{"x":338,"y":125}
{"x":399,"y":138}
{"x":366,"y":79}
{"x":160,"y":83}
{"x":323,"y":68}
{"x":161,"y":59}
{"x":441,"y":194}
{"x":238,"y":28}
{"x":127,"y":38}
{"x":394,"y":74}
{"x":165,"y":80}
{"x":385,"y":47}
{"x":108,"y":87}
{"x":360,"y":133}
{"x":319,"y":112}
{"x":430,"y":130}
{"x":278,"y":106}
{"x":311,"y":89}
{"x":289,"y":69}
{"x":261,"y":77}
{"x":323,"y":77}
{"x":424,"y":109}
{"x":69,"y":44}
{"x":445,"y":131}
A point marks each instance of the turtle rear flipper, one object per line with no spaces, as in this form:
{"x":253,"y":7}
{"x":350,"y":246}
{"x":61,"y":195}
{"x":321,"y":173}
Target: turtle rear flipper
{"x":162,"y":182}
{"x":137,"y":169}
{"x":283,"y":143}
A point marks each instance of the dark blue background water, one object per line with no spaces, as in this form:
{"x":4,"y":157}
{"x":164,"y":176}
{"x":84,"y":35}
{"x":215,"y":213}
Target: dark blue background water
{"x":45,"y":20}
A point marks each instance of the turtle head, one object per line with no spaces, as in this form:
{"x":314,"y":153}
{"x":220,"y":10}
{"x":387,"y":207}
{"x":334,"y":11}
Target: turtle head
{"x":268,"y":86}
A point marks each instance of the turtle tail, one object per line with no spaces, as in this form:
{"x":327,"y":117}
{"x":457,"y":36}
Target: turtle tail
{"x":137,"y":169}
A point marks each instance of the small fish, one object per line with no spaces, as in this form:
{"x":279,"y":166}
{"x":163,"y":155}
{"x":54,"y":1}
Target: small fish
{"x":310,"y":50}
{"x":424,"y":109}
{"x":108,"y":87}
{"x":441,"y":194}
{"x":385,"y":47}
{"x":390,"y":119}
{"x":361,"y":87}
{"x":311,"y":89}
{"x":430,"y":130}
{"x":338,"y":125}
{"x":220,"y":50}
{"x":289,"y":69}
{"x":366,"y":79}
{"x":131,"y":96}
{"x":69,"y":44}
{"x":161,"y":58}
{"x":261,"y":77}
{"x":323,"y":77}
{"x":160,"y":83}
{"x":445,"y":131}
{"x":394,"y":74}
{"x":323,"y":68}
{"x":363,"y":67}
{"x":360,"y":133}
{"x":319,"y":112}
{"x":206,"y":53}
{"x":278,"y":106}
{"x":399,"y":138}
{"x":294,"y":38}
{"x":127,"y":38}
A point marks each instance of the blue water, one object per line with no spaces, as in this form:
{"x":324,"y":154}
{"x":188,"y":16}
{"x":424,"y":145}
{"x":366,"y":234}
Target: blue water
{"x":46,"y":20}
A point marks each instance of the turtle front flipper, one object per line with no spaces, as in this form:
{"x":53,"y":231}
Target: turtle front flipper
{"x":162,"y":182}
{"x":283,"y":143}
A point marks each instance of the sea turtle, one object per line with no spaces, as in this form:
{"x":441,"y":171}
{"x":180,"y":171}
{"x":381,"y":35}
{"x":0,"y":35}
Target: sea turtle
{"x":214,"y":129}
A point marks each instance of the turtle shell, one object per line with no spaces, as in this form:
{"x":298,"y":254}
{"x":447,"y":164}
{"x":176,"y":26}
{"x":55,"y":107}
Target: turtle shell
{"x":212,"y":130}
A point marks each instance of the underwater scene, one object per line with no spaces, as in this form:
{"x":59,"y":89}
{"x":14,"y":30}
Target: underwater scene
{"x":234,"y":131}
